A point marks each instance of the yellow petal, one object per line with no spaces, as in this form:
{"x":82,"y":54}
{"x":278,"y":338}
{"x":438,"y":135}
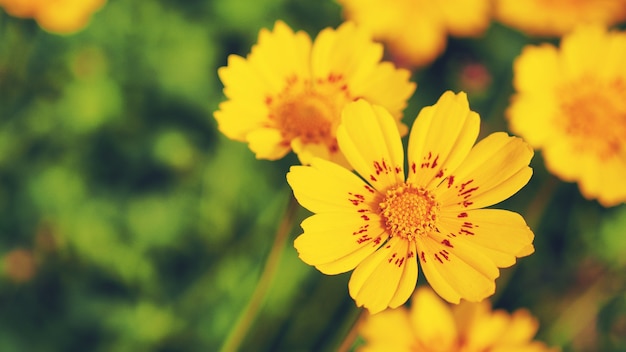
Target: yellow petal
{"x":484,"y":332}
{"x":388,"y":87}
{"x":337,"y":242}
{"x":236,"y":120}
{"x":369,"y":138}
{"x":281,"y":54}
{"x":462,"y":274}
{"x":308,"y":151}
{"x":387,"y":331}
{"x":500,"y":235}
{"x":406,"y":286}
{"x":537,"y":70}
{"x":576,"y":47}
{"x":432,"y":321}
{"x":335,"y":52}
{"x":327,"y":187}
{"x":267,"y":143}
{"x":495,"y":169}
{"x":375,"y":281}
{"x":521,"y":329}
{"x":441,"y":138}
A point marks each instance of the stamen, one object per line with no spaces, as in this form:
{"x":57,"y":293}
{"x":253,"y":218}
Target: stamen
{"x":310,"y":110}
{"x":594,"y":115}
{"x":409,"y":211}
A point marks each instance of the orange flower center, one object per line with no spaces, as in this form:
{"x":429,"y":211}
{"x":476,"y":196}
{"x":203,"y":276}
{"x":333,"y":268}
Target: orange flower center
{"x":594,"y":116}
{"x":409,"y":211}
{"x":309,"y":110}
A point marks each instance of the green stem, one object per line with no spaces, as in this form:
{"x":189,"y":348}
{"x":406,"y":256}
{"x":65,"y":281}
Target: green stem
{"x":353,"y":333}
{"x":246,"y":318}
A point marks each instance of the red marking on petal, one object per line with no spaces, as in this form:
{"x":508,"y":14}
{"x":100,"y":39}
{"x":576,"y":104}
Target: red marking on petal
{"x":462,"y":215}
{"x":435,"y":162}
{"x":362,"y":239}
{"x":450,"y":181}
{"x":467,"y":232}
{"x":373,"y":178}
{"x":398,"y":169}
{"x":447,"y":243}
{"x":423,"y":256}
{"x":467,"y":203}
{"x":413,"y":166}
{"x":365,"y":217}
{"x":467,"y":191}
{"x":377,"y":240}
{"x":439,"y":259}
{"x":445,"y":254}
{"x":411,"y":254}
{"x":439,"y":174}
{"x":400,"y":262}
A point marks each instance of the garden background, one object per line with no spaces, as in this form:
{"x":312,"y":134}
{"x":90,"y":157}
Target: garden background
{"x":129,"y":223}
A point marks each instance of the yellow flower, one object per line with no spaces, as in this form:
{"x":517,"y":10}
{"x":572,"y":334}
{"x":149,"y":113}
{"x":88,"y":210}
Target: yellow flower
{"x":416,"y":31}
{"x":288,"y":94}
{"x":58,"y":16}
{"x":571,"y":103}
{"x":384,"y":222}
{"x":557,"y":17}
{"x":432,"y":326}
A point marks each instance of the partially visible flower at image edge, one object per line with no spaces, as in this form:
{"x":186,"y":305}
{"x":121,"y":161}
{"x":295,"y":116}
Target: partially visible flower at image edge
{"x":430,"y":325}
{"x":382,"y":224}
{"x":570,"y":103}
{"x":557,"y":17}
{"x":59,"y":16}
{"x":289,"y":92}
{"x":416,"y":31}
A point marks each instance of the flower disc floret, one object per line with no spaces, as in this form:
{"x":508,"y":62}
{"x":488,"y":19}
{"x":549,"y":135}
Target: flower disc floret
{"x":409,"y":211}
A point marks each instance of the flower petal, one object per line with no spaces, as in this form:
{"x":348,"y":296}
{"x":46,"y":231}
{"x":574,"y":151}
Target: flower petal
{"x":294,"y":49}
{"x":369,"y":138}
{"x":441,"y":138}
{"x":334,"y":52}
{"x":308,"y":151}
{"x":432,"y":320}
{"x":387,"y":331}
{"x":328,"y":187}
{"x":495,"y":169}
{"x":499,"y":234}
{"x":337,"y":242}
{"x":375,"y":281}
{"x":456,"y":272}
{"x":267,"y":143}
{"x":389,"y":87}
{"x":408,"y":279}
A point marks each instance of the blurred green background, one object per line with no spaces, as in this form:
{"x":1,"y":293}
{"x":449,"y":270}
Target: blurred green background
{"x":128,"y":223}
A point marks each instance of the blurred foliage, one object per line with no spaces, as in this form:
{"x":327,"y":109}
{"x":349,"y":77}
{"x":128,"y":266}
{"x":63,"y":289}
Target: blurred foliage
{"x":128,"y":223}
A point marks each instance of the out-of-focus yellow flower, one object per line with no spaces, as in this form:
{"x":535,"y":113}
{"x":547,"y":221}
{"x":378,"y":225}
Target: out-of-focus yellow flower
{"x":571,"y":103}
{"x":57,"y":16}
{"x":385,"y":222}
{"x":288,"y":93}
{"x":416,"y":31}
{"x":432,"y":326}
{"x":557,"y":17}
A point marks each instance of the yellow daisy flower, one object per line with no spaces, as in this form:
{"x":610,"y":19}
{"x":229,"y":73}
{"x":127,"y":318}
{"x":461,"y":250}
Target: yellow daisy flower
{"x":416,"y":31}
{"x":432,"y":326}
{"x":58,"y":16}
{"x":385,"y":222}
{"x":288,"y":93}
{"x":557,"y":17}
{"x":571,"y":103}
